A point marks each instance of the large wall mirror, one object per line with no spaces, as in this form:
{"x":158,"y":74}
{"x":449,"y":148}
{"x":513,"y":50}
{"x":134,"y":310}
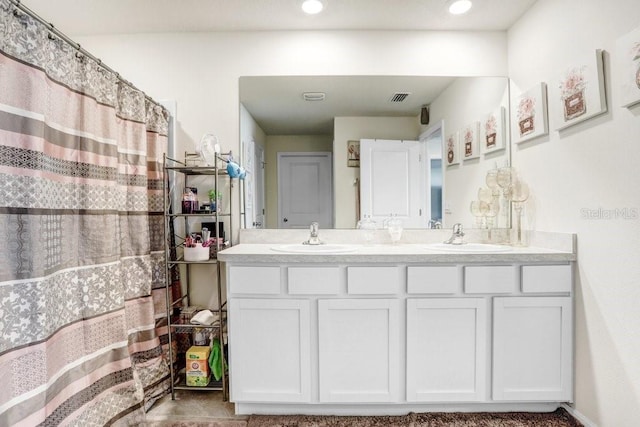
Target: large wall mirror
{"x":302,"y":139}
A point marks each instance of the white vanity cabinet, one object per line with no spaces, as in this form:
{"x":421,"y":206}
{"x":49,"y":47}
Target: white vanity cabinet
{"x":358,"y":350}
{"x":320,"y":337}
{"x":446,"y":337}
{"x":269,"y":338}
{"x":532,"y":354}
{"x":533,"y":338}
{"x":359,"y":337}
{"x":446,"y":349}
{"x":271,"y":350}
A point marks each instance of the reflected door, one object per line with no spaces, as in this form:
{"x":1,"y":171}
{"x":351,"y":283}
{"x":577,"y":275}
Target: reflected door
{"x":304,"y":190}
{"x":254,"y":185}
{"x":258,"y":212}
{"x":393,"y":179}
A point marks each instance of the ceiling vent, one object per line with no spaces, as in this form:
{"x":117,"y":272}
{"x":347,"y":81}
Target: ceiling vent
{"x":313,"y":96}
{"x":399,"y":96}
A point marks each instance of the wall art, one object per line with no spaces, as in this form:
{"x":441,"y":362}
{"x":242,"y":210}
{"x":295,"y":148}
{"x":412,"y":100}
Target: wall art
{"x":492,"y":131}
{"x":530,"y":114}
{"x":353,"y":154}
{"x":628,"y":53}
{"x":451,"y":149}
{"x":578,"y":93}
{"x":470,"y":141}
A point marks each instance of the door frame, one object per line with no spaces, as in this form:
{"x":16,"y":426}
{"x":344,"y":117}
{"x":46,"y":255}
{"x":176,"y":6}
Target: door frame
{"x":424,"y":137}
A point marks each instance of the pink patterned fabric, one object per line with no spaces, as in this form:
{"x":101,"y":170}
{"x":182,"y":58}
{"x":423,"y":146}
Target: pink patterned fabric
{"x":81,"y":226}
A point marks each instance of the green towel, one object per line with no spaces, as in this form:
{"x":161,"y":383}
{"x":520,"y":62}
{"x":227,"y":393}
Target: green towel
{"x":215,"y":359}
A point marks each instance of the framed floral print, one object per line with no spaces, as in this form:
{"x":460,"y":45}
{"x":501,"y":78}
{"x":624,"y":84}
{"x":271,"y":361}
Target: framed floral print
{"x":470,"y":141}
{"x":492,"y":131}
{"x":628,"y":53}
{"x":530,"y":114}
{"x":353,"y":154}
{"x":451,"y":149}
{"x":578,"y":93}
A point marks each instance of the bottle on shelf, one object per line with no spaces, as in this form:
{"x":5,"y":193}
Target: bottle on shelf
{"x":189,"y":201}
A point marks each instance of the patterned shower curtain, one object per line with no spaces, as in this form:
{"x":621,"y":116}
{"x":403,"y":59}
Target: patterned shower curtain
{"x":81,"y":236}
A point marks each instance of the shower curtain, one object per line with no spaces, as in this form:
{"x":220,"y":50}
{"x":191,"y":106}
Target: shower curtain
{"x":81,"y":236}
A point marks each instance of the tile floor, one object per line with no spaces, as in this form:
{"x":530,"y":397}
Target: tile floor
{"x":193,"y":405}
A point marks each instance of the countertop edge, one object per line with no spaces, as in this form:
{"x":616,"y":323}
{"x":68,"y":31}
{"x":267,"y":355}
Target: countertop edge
{"x":254,"y":253}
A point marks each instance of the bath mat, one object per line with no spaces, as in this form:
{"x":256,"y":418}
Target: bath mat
{"x":558,"y":418}
{"x":203,"y":422}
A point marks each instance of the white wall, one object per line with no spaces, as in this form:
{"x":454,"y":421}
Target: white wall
{"x":249,"y":129}
{"x":357,"y":128}
{"x":591,"y":165}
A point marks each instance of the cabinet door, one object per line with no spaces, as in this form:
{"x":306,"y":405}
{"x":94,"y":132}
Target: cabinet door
{"x":359,"y":350}
{"x":269,"y":350}
{"x":532,"y":349}
{"x":446,"y":349}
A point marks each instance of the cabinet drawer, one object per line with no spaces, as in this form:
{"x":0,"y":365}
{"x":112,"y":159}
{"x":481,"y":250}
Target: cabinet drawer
{"x":546,"y":278}
{"x":254,"y":280}
{"x":313,"y":280}
{"x":433,"y":280}
{"x":373,"y":280}
{"x":495,"y":279}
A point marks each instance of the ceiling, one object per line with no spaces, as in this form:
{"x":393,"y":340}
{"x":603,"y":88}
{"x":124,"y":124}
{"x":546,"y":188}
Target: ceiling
{"x":90,"y":17}
{"x":266,"y":98}
{"x":276,"y":102}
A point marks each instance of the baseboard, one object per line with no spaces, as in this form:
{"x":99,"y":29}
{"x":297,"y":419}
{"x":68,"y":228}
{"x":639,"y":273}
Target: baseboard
{"x":578,"y":416}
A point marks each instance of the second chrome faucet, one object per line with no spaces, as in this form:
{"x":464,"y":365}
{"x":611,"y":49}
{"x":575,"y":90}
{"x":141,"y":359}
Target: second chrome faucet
{"x":457,"y":235}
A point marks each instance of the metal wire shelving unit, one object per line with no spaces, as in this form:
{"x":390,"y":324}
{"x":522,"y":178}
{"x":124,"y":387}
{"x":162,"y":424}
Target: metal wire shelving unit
{"x":176,"y":227}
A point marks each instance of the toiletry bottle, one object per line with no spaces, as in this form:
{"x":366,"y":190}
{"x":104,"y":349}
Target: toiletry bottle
{"x":188,"y":201}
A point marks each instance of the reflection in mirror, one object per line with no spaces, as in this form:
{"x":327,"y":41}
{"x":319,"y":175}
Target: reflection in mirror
{"x":432,"y":138}
{"x":276,"y":121}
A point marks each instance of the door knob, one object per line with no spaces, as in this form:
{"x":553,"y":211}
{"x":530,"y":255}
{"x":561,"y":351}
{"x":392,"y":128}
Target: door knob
{"x":285,"y":220}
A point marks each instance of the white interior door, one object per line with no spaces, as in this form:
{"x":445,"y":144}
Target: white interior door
{"x":393,"y":181}
{"x":305,"y":192}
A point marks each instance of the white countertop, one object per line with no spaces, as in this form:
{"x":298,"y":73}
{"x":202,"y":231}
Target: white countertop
{"x":257,"y":246}
{"x":381,"y":253}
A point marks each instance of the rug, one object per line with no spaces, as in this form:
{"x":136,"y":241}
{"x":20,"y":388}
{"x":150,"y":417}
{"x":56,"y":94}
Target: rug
{"x":196,"y":423}
{"x":558,"y":418}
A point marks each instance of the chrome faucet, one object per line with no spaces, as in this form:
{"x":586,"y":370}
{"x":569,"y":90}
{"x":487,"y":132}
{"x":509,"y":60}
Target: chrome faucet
{"x":434,"y":224}
{"x":456,"y":235}
{"x":313,"y":235}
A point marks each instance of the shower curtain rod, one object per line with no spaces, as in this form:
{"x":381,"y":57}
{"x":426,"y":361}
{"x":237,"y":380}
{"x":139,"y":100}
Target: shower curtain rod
{"x":52,"y":29}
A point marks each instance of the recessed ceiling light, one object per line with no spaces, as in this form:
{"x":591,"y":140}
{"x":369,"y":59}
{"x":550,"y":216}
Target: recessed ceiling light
{"x":459,"y":7}
{"x":312,"y":6}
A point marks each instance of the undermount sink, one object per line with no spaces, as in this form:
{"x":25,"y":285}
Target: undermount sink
{"x":299,"y":248}
{"x":468,"y":248}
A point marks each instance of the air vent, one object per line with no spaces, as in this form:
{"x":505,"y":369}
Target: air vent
{"x":313,"y":96}
{"x":399,"y":96}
